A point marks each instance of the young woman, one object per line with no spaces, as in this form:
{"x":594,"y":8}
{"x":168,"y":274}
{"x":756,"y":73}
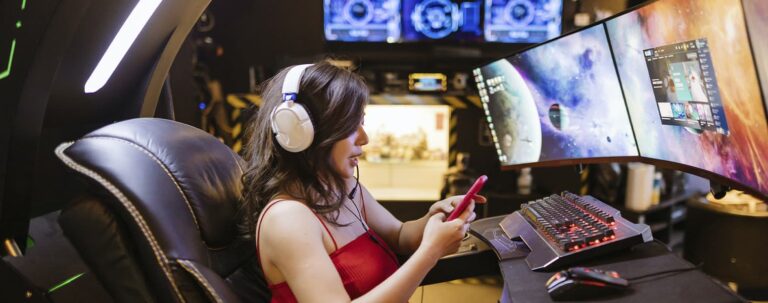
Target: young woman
{"x":320,"y":235}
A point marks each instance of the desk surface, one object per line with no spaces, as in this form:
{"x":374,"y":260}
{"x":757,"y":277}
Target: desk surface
{"x":523,"y":285}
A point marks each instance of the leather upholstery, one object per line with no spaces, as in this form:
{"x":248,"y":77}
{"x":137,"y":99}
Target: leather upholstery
{"x":161,"y":220}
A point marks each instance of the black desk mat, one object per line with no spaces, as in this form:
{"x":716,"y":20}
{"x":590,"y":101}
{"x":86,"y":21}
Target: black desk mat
{"x":524,"y":285}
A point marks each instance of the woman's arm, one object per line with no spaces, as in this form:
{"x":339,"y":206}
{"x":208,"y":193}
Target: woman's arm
{"x":297,"y":251}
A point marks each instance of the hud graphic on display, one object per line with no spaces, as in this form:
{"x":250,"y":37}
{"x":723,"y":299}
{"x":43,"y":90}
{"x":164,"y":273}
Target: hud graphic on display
{"x":560,"y":100}
{"x":441,"y":19}
{"x":362,"y":20}
{"x":522,"y":20}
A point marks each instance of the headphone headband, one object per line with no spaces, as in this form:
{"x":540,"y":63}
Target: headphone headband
{"x":292,"y":82}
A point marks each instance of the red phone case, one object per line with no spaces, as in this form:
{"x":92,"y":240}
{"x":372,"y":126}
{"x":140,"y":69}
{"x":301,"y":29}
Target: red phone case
{"x":468,"y":197}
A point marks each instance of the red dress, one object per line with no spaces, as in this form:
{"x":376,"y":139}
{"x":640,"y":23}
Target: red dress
{"x":362,"y":264}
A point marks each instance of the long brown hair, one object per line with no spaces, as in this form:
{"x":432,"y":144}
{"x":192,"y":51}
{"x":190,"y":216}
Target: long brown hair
{"x":335,"y":99}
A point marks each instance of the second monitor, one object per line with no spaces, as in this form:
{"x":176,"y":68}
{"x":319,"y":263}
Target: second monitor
{"x":691,"y":88}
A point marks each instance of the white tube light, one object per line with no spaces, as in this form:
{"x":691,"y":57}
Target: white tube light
{"x":120,"y":44}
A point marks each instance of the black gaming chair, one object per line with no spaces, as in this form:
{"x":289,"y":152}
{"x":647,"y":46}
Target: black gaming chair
{"x":160,"y":221}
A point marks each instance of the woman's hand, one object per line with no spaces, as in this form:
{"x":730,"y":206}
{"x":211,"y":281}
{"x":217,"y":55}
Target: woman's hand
{"x":443,"y":238}
{"x":447,"y":205}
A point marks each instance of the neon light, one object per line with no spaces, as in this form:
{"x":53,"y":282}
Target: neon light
{"x":65,"y":282}
{"x":18,"y":24}
{"x":4,"y":74}
{"x":23,"y":4}
{"x":120,"y":44}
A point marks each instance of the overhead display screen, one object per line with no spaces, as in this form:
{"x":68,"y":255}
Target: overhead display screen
{"x":522,"y":21}
{"x":442,"y":19}
{"x":362,"y":20}
{"x":396,"y":21}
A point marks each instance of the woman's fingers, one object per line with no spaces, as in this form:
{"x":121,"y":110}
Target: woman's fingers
{"x":480,"y":199}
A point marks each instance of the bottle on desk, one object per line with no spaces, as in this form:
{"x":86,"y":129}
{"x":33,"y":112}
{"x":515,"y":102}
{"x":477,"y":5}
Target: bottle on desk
{"x":524,"y":181}
{"x":640,"y":179}
{"x":656,"y":190}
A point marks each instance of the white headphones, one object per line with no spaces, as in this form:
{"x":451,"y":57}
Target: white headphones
{"x":290,"y":120}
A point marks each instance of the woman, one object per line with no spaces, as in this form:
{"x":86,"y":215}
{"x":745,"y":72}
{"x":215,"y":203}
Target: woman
{"x":320,"y":235}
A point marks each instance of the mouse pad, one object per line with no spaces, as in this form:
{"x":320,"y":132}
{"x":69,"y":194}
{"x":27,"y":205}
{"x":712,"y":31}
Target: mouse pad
{"x":523,"y":285}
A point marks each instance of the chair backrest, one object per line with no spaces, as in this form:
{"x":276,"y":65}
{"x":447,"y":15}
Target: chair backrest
{"x":161,"y":223}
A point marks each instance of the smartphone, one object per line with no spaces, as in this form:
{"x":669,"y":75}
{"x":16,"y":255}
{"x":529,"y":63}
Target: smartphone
{"x":468,"y":198}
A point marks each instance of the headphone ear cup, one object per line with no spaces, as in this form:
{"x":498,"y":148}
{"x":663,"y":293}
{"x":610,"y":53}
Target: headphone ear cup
{"x":292,"y":126}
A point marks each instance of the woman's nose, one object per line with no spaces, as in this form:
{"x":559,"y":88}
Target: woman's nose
{"x":362,"y":136}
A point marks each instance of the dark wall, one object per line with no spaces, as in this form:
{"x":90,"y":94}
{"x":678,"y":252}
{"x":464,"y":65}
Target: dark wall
{"x":264,"y":34}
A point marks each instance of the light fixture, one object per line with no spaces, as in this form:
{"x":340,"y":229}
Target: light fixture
{"x":120,"y":44}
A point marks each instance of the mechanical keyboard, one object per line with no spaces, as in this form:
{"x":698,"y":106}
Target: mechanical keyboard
{"x":563,"y":229}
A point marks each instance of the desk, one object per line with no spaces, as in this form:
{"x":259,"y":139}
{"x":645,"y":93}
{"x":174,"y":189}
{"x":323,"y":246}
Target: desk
{"x":523,"y":285}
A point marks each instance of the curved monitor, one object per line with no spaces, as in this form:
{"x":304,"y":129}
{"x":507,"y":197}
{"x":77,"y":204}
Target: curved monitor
{"x":691,"y":88}
{"x":556,"y":103}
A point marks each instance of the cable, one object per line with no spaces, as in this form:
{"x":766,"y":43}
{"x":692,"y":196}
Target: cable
{"x":358,"y":217}
{"x":351,"y":195}
{"x":664,"y":272}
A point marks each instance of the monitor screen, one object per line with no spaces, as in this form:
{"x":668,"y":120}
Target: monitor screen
{"x":441,"y":20}
{"x":362,"y":20}
{"x":557,"y":101}
{"x":691,"y":88}
{"x":522,"y":21}
{"x":757,"y":23}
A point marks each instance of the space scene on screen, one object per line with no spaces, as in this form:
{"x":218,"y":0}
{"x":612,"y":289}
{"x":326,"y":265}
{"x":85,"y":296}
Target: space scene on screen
{"x":558,"y":101}
{"x":737,"y":149}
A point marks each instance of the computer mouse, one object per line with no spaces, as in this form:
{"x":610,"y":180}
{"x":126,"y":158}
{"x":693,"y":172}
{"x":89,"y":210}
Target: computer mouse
{"x":578,"y":283}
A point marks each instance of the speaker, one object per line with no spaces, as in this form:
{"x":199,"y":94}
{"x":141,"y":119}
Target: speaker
{"x":291,"y":124}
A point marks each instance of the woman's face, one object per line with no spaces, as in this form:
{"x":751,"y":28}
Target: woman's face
{"x":345,"y":153}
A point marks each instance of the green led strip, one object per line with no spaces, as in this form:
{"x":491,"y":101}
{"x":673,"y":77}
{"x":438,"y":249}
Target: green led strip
{"x":7,"y":71}
{"x":65,"y":282}
{"x":4,"y":74}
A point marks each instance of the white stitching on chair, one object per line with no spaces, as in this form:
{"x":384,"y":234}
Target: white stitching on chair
{"x":159,"y":255}
{"x":199,"y":276}
{"x":165,"y":169}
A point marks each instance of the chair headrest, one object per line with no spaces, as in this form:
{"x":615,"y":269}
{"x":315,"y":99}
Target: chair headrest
{"x":168,"y":172}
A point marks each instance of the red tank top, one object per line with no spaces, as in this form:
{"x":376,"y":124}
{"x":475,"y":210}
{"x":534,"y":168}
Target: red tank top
{"x":362,"y":263}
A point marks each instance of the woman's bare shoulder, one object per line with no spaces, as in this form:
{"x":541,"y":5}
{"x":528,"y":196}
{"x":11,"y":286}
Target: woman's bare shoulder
{"x":288,"y":218}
